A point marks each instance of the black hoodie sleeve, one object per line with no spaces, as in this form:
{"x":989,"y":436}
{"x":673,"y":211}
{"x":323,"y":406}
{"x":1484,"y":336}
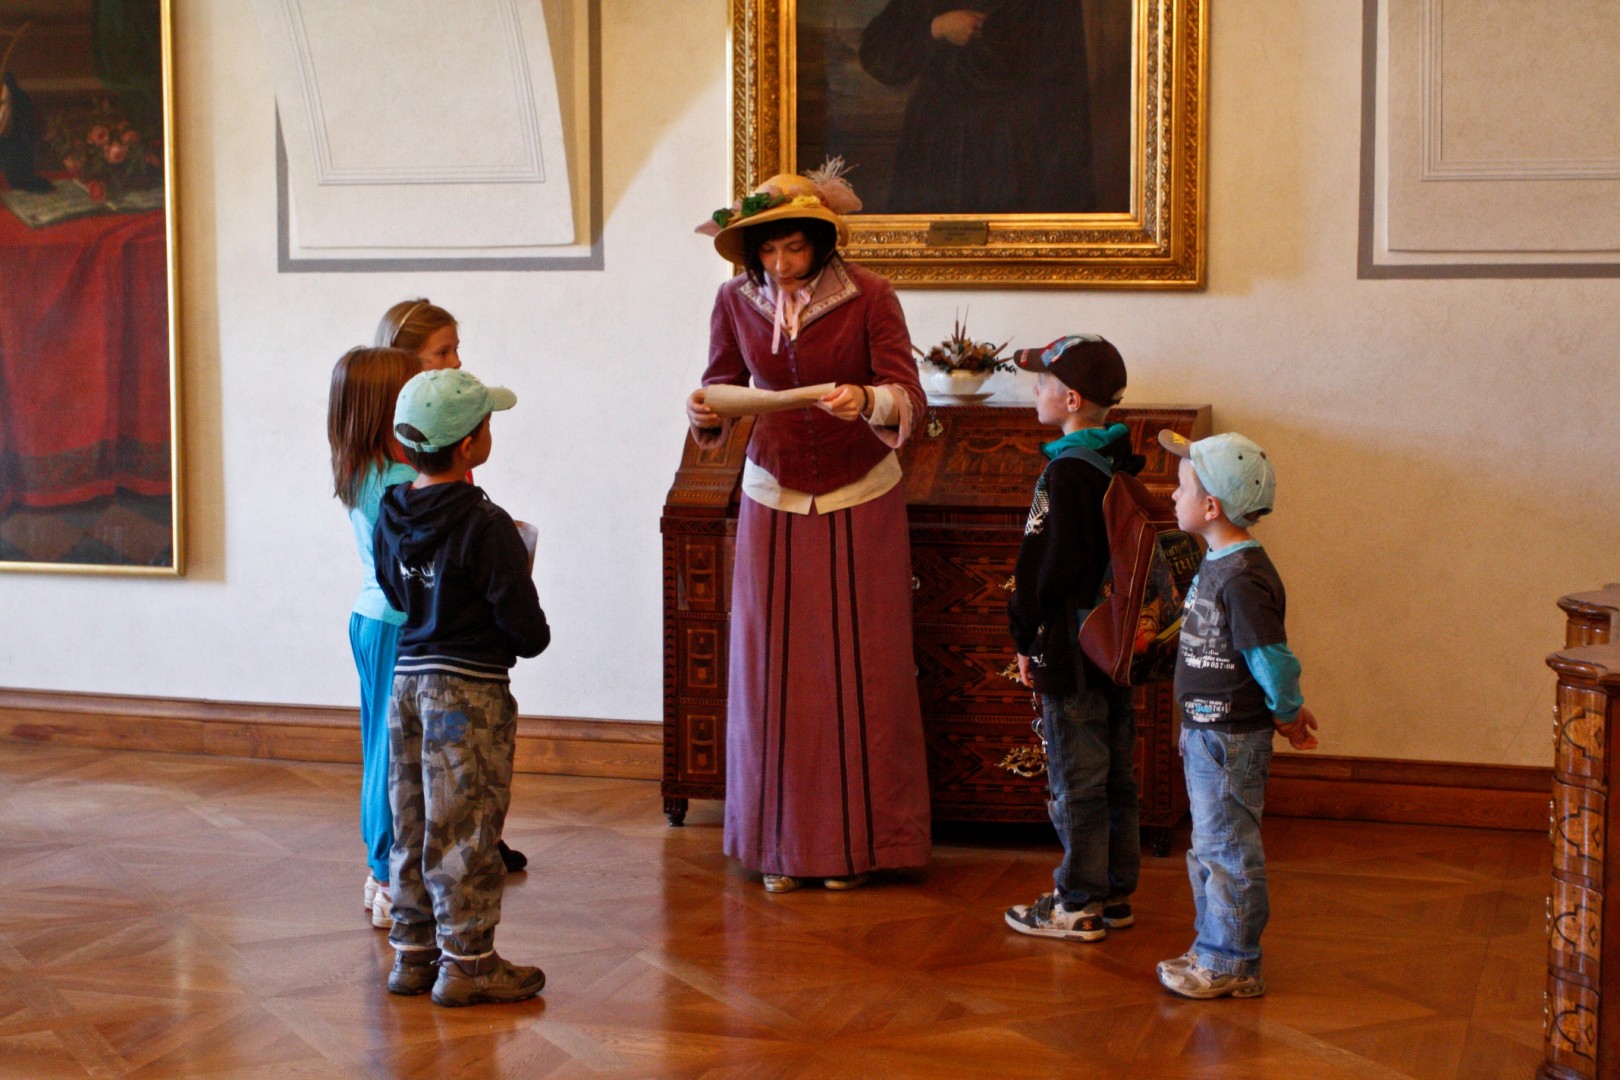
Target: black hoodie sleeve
{"x":509,"y":587}
{"x":1062,"y":563}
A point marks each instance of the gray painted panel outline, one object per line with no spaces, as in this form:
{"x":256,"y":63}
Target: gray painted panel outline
{"x":1366,"y":266}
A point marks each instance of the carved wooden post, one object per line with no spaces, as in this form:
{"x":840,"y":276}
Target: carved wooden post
{"x":1581,"y":1036}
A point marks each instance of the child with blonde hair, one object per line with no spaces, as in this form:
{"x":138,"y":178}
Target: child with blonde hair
{"x":366,"y":460}
{"x":422,"y":327}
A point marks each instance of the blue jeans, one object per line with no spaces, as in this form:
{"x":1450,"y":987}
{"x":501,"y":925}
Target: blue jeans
{"x":1226,"y":787}
{"x":375,"y":644}
{"x":1091,"y":777}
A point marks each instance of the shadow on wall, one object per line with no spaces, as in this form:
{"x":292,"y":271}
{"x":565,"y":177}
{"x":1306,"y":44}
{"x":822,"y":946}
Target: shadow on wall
{"x":1422,"y":591}
{"x":655,"y":65}
{"x":1257,"y":150}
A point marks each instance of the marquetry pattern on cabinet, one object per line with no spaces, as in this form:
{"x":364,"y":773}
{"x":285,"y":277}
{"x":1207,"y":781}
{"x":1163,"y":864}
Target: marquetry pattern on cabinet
{"x":969,"y":473}
{"x":1581,"y":1033}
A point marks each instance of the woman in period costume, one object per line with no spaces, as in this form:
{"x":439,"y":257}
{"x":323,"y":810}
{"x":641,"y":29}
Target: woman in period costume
{"x":825,"y":772}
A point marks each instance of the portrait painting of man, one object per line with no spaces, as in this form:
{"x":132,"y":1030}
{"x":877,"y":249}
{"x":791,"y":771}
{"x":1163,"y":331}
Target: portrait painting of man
{"x":979,"y":107}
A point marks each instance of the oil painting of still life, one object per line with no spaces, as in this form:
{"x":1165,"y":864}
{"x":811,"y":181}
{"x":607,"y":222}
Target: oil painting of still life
{"x":88,"y":382}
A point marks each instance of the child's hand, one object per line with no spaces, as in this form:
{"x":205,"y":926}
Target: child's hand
{"x":1023,"y":671}
{"x":1299,"y":732}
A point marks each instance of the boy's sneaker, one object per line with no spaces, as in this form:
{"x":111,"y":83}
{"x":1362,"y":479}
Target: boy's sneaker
{"x":382,"y":908}
{"x":1116,"y":914}
{"x":1192,"y":981}
{"x":1047,"y":917}
{"x":487,"y":979}
{"x":414,"y":971}
{"x":372,"y":885}
{"x":1185,"y":960}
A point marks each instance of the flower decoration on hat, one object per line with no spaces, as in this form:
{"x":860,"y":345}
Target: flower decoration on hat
{"x":823,"y":192}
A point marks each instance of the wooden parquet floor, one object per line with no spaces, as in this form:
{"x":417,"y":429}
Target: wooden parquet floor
{"x":169,"y":916}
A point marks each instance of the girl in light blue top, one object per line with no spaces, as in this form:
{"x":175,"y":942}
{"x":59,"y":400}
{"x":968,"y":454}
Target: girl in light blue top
{"x":366,"y":460}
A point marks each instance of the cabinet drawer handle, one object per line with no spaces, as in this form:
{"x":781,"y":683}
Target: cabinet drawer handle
{"x":1026,"y":761}
{"x":935,"y":427}
{"x":1010,"y":672}
{"x":1010,"y":585}
{"x":916,"y":582}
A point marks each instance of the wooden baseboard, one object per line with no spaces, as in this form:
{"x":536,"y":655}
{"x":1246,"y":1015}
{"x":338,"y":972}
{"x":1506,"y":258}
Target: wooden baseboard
{"x":1341,"y":788}
{"x":555,"y":745}
{"x":1409,"y":792}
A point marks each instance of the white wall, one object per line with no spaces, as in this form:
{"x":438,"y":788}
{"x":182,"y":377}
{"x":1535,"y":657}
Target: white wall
{"x":1441,"y":445}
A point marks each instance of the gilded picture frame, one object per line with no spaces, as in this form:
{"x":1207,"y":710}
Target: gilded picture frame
{"x":90,"y":381}
{"x":1155,"y":239}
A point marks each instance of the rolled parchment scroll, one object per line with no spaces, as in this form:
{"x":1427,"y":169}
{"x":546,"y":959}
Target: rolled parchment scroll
{"x":752,"y":401}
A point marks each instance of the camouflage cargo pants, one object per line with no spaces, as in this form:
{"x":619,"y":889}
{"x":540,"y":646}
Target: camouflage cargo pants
{"x":450,"y":743}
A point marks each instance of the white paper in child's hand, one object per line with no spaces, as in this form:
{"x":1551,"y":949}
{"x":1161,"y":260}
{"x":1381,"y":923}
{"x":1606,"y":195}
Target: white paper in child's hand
{"x":531,"y":537}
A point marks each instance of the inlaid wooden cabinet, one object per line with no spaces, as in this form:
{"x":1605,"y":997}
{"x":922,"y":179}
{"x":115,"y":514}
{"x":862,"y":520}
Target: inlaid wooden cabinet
{"x":1581,"y":1031}
{"x":969,"y":474}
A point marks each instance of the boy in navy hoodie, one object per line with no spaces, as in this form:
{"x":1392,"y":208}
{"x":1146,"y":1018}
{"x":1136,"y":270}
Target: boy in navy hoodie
{"x":455,"y":564}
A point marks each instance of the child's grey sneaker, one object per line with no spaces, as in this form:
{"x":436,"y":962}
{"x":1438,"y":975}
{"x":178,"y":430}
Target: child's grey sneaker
{"x":1184,"y":976}
{"x":1047,"y":917}
{"x":1185,"y":960}
{"x":414,"y":971}
{"x":1117,"y":915}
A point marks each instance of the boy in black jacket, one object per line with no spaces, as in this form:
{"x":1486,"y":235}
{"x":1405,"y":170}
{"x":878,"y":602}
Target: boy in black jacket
{"x":1088,"y":725}
{"x":455,"y":564}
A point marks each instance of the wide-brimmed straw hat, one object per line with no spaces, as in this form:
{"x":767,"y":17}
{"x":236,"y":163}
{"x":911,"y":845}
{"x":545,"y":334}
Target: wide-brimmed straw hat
{"x":821,"y":195}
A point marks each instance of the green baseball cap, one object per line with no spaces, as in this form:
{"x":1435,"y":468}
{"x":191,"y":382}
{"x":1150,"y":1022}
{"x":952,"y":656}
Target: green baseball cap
{"x":437,"y":409}
{"x":1231,"y":468}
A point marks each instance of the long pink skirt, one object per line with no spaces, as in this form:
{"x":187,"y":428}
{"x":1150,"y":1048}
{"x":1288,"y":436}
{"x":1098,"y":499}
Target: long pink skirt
{"x":825,"y":771}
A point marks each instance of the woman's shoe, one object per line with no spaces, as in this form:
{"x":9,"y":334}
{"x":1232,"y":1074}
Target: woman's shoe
{"x":844,"y":884}
{"x":780,"y":883}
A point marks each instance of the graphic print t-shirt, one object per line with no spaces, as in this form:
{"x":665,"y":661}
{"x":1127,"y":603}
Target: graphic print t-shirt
{"x":1236,"y":602}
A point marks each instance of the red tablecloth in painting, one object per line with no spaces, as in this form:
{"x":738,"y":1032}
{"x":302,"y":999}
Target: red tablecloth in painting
{"x":84,"y":359}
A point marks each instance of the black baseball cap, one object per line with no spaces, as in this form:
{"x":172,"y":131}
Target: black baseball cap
{"x":1085,"y":363}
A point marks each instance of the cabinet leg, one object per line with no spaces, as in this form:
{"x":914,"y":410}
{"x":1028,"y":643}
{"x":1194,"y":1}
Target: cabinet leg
{"x":1156,"y":840}
{"x":675,"y":810}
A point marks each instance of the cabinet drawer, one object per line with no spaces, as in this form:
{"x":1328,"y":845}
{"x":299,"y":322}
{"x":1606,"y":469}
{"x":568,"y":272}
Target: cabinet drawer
{"x":699,"y":750}
{"x":967,"y":670}
{"x":701,"y":572}
{"x":967,"y":584}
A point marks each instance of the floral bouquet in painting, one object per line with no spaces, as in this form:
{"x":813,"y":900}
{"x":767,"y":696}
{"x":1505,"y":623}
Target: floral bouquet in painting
{"x":106,"y":153}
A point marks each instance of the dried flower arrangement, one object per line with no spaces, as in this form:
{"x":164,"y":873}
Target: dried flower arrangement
{"x":961,"y":353}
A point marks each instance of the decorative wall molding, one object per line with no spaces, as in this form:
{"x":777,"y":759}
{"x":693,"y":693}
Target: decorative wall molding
{"x":1339,"y":788}
{"x":1437,"y":167}
{"x":1461,"y":179}
{"x":521,"y":128}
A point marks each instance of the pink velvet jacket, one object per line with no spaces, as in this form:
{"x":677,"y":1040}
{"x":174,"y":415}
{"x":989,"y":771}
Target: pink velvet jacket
{"x":853,"y":331}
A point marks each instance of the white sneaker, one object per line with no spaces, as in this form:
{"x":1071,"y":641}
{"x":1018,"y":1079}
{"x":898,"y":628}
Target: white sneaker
{"x":1047,"y":917}
{"x":372,"y":885}
{"x":382,"y":909}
